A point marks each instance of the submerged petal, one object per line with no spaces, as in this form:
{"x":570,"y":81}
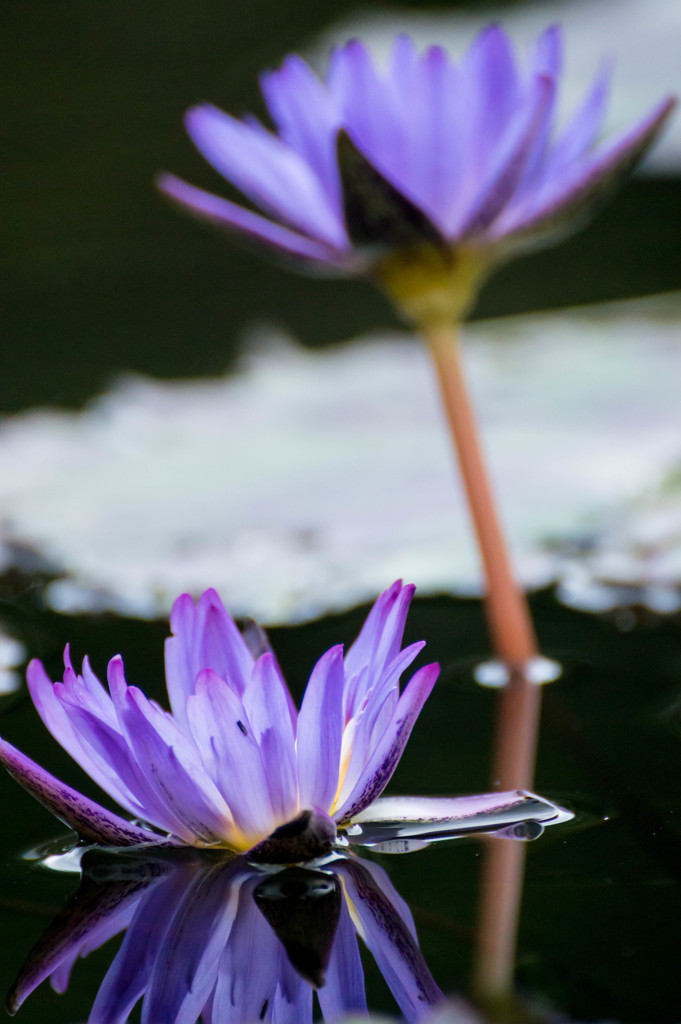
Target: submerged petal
{"x":391,"y":819}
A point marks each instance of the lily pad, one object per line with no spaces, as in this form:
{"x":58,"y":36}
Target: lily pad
{"x":307,"y":481}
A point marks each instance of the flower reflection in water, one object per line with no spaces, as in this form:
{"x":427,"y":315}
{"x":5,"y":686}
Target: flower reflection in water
{"x":215,"y":936}
{"x":228,"y":941}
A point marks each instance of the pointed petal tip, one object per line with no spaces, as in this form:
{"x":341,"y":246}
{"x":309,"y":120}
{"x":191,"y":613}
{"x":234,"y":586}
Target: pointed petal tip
{"x":206,"y":678}
{"x":333,"y":654}
{"x":171,"y":186}
{"x":115,"y":674}
{"x":36,"y":678}
{"x":428,"y":675}
{"x":266,"y":660}
{"x":34,"y":666}
{"x":668,"y":105}
{"x":198,"y":115}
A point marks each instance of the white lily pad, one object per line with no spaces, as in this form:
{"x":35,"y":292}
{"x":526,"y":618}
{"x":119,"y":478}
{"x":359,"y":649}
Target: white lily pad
{"x":308,"y":481}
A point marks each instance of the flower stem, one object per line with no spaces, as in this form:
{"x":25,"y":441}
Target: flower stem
{"x":515,"y":644}
{"x":507,"y":610}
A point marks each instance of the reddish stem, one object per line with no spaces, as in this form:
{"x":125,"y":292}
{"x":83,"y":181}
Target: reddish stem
{"x":515,"y":644}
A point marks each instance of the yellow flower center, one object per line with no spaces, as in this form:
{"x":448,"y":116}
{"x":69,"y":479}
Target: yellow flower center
{"x":431,"y":285}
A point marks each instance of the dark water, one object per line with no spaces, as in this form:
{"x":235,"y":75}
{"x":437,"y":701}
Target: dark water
{"x":602,"y":900}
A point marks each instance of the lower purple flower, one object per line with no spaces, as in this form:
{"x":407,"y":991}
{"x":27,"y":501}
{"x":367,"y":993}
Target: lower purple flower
{"x":235,"y":764}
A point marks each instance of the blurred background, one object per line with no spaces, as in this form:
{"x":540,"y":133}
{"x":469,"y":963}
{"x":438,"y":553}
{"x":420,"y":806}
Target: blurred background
{"x":103,"y":275}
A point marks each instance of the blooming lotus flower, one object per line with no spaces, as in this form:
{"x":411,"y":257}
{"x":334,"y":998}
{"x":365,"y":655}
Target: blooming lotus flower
{"x":235,"y":761}
{"x":450,"y":167}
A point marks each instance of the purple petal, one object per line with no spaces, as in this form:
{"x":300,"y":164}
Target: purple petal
{"x":490,"y":89}
{"x":320,"y":731}
{"x":229,"y":215}
{"x":365,"y":732}
{"x":344,"y":991}
{"x":90,"y":820}
{"x":391,"y":940}
{"x":368,"y":108}
{"x":185,"y":972}
{"x":98,"y":700}
{"x":219,"y":645}
{"x":268,"y":171}
{"x":367,"y":707}
{"x":548,"y":52}
{"x":372,"y":717}
{"x":179,"y":655}
{"x":307,"y":120}
{"x":416,"y":94}
{"x":547,"y":61}
{"x":258,"y":643}
{"x":577,"y":193}
{"x":223,"y":732}
{"x":584,"y":129}
{"x":104,"y":754}
{"x":266,"y":702}
{"x":510,"y":162}
{"x":380,"y":638}
{"x":386,"y":756}
{"x":175,"y":770}
{"x":429,"y":88}
{"x":49,"y":699}
{"x":205,"y":637}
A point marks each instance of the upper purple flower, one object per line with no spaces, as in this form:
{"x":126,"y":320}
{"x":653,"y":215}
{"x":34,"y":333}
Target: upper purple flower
{"x":424,"y":151}
{"x":235,"y":760}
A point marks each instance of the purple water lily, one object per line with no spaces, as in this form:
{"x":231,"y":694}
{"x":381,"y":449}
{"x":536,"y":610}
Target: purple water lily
{"x":423,"y":152}
{"x":235,"y":764}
